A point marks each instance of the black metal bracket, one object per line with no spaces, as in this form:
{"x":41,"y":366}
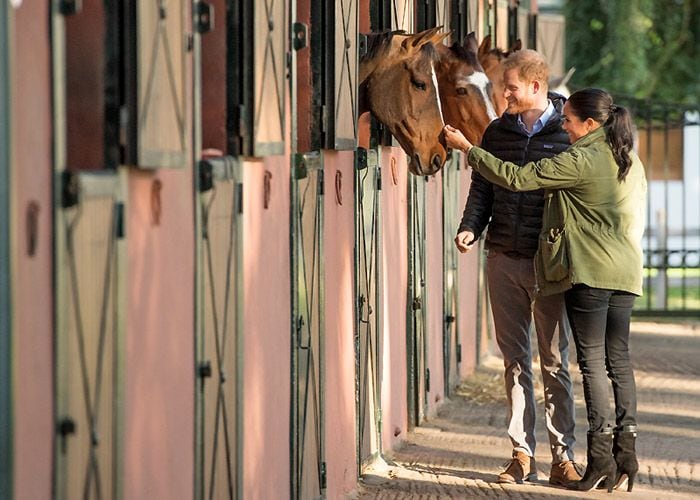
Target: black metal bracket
{"x":300,"y":31}
{"x":70,"y":7}
{"x":360,"y":159}
{"x":206,"y":176}
{"x":203,"y":17}
{"x":361,"y":45}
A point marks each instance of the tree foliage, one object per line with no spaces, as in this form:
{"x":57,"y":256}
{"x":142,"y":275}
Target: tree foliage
{"x":640,"y":48}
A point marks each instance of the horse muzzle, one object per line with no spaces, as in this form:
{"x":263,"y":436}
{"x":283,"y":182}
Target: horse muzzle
{"x":418,"y":166}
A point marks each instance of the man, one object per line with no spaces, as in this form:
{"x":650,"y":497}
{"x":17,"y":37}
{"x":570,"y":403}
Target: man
{"x":529,"y":130}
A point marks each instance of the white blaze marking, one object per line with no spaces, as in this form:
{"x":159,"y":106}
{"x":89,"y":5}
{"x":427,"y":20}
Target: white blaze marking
{"x":481,"y":81}
{"x":437,"y":92}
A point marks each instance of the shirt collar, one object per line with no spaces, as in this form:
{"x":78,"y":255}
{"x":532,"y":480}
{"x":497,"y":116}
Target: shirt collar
{"x":541,"y":121}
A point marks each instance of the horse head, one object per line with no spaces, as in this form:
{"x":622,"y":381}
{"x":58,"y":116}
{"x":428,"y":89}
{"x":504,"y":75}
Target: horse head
{"x":490,"y":59}
{"x":399,"y":87}
{"x":465,"y":90}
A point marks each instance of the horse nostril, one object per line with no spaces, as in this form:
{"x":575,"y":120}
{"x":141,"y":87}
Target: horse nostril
{"x":437,"y":162}
{"x":417,"y":165}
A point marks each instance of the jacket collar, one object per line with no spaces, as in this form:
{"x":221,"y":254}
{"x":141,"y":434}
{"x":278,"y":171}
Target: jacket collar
{"x":591,"y":137}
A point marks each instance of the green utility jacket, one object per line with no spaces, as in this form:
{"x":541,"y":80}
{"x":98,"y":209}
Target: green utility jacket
{"x":592,"y":223}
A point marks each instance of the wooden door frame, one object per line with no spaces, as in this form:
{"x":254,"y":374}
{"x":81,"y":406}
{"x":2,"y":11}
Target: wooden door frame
{"x":6,"y":393}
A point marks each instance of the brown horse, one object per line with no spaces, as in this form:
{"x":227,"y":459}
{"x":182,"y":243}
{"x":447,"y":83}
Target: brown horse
{"x":490,"y":59}
{"x":399,"y":87}
{"x":465,"y":90}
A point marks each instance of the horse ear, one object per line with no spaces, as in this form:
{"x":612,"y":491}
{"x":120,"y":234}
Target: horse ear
{"x":485,"y":46}
{"x":517,"y":45}
{"x":420,"y":39}
{"x":439,"y":37}
{"x":568,"y":75}
{"x":469,"y":43}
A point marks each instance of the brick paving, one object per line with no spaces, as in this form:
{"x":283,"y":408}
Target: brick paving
{"x":459,"y":453}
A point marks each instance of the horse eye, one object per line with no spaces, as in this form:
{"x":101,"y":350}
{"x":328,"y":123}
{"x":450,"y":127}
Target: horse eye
{"x":418,"y":84}
{"x":461,"y":91}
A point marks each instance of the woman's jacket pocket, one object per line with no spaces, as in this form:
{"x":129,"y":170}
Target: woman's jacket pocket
{"x":554,"y":257}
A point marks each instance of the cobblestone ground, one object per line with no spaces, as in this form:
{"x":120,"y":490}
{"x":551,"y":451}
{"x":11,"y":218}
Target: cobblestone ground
{"x":459,"y":453}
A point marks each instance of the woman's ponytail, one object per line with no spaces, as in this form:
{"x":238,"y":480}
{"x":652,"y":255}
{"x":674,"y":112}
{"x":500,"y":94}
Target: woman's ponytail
{"x":617,"y":121}
{"x":619,"y":132}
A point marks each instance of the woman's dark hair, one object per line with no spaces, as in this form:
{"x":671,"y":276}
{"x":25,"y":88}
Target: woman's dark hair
{"x":617,"y":121}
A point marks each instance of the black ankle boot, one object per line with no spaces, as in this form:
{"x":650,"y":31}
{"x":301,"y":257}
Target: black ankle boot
{"x":601,"y":465}
{"x":625,"y":456}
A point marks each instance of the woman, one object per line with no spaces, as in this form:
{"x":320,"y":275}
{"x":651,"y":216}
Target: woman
{"x":590,"y":248}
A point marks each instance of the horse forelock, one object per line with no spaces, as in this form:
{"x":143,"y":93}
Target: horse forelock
{"x":430,"y":51}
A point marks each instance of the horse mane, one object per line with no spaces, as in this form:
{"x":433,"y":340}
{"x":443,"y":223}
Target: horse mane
{"x":466,"y":55}
{"x":378,"y":43}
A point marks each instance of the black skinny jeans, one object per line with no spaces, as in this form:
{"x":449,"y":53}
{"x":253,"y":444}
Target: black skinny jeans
{"x":600,"y":322}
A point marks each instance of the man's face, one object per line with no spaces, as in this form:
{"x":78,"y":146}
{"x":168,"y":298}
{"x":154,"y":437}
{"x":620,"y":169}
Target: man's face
{"x":521,"y":95}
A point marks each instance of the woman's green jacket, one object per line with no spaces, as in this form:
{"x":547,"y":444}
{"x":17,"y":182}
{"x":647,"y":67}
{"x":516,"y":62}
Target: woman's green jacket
{"x":592,"y":223}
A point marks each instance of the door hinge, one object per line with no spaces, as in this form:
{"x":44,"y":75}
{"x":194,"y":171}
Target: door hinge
{"x":239,"y":193}
{"x":323,"y":475}
{"x":70,"y":189}
{"x":427,"y":380}
{"x":459,"y":353}
{"x":66,"y":426}
{"x":204,"y":369}
{"x":203,"y":14}
{"x":321,"y":188}
{"x":360,"y":159}
{"x":379,"y":179}
{"x":119,"y":214}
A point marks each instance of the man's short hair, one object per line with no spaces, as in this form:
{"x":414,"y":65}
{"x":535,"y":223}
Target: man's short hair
{"x":531,"y":65}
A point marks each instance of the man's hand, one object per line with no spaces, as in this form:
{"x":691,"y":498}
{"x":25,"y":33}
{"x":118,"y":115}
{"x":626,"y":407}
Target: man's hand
{"x":465,"y":241}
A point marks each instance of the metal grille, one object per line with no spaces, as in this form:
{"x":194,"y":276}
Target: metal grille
{"x":218,"y":415}
{"x":257,"y":61}
{"x":163,"y":117}
{"x":368,"y":305}
{"x":340,"y":100}
{"x":88,"y":338}
{"x":668,"y":145}
{"x":402,"y":15}
{"x":308,"y":477}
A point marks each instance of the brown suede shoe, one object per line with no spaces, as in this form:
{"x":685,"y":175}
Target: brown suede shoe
{"x":564,"y":473}
{"x":521,"y":468}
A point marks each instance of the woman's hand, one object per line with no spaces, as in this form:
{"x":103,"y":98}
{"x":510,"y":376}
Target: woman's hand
{"x":455,"y":139}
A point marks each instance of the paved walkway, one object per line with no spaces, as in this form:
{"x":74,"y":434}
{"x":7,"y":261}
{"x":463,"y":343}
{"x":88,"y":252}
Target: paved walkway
{"x":459,"y":453}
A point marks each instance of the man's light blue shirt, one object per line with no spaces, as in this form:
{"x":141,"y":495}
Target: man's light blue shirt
{"x":540,"y":122}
